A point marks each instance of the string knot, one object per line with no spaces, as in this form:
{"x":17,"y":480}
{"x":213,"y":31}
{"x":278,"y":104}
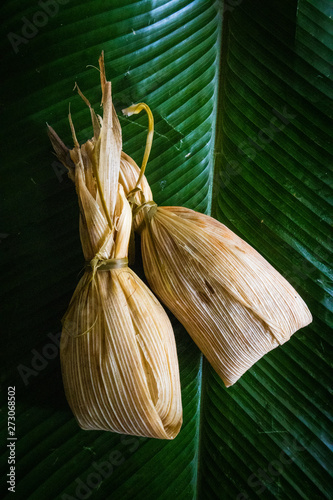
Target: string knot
{"x":151,"y":209}
{"x":97,"y":264}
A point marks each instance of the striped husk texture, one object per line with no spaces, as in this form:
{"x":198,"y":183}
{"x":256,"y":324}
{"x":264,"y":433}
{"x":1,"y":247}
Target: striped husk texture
{"x":118,"y":354}
{"x":232,"y":302}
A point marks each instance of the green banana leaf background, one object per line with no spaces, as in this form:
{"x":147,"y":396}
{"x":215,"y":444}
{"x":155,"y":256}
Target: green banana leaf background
{"x":242,"y":100}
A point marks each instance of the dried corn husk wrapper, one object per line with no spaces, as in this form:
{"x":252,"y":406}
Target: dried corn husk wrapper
{"x":232,"y":302}
{"x":118,"y":355}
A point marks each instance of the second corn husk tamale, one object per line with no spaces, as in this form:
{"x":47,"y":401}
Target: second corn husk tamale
{"x":232,"y":302}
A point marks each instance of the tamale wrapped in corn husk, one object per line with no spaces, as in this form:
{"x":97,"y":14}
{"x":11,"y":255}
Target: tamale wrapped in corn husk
{"x":232,"y":302}
{"x":118,"y":355}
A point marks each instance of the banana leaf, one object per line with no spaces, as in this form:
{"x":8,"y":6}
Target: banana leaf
{"x":242,"y":100}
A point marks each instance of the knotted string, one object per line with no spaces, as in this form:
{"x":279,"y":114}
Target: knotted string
{"x":97,"y":264}
{"x":151,"y":207}
{"x":136,"y":208}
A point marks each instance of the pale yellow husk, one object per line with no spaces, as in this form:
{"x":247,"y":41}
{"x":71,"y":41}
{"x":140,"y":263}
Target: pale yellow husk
{"x":232,"y":302}
{"x":118,"y":355}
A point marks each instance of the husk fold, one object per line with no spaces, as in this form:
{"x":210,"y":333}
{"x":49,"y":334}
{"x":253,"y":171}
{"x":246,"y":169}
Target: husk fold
{"x":118,"y":355}
{"x":232,"y":302}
